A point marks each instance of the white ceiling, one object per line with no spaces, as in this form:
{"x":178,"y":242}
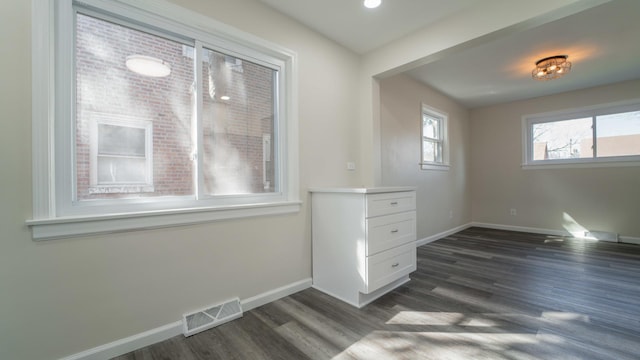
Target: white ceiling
{"x":360,"y":29}
{"x":603,"y":43}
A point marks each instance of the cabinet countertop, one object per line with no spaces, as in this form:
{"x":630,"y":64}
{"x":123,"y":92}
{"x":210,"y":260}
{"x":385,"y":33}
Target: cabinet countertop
{"x":362,"y":190}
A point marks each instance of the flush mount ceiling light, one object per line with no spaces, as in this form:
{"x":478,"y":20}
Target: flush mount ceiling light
{"x":372,"y":4}
{"x":551,"y":67}
{"x":148,"y":66}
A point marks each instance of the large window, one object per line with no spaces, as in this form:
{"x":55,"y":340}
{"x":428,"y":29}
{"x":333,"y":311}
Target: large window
{"x":152,"y":118}
{"x":434,"y":144}
{"x":603,"y":134}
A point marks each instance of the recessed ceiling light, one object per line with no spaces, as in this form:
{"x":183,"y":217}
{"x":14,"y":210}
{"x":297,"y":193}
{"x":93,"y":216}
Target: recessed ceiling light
{"x":372,"y":4}
{"x":148,"y":66}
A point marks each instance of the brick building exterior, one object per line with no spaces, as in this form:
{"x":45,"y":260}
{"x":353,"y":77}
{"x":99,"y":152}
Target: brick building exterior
{"x":238,"y":153}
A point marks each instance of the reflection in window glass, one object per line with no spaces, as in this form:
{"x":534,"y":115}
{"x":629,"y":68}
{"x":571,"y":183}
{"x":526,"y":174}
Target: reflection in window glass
{"x":238,"y":125}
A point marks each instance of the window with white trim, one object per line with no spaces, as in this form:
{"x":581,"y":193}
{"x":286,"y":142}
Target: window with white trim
{"x":434,"y":146}
{"x":595,"y":135}
{"x":149,"y":116}
{"x":121,"y":158}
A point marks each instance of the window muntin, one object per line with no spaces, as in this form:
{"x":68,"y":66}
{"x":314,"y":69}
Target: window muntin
{"x":609,"y":133}
{"x":433,"y":137}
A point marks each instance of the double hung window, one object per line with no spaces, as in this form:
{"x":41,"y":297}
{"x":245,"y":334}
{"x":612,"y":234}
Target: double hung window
{"x":152,"y":116}
{"x":434,"y":139}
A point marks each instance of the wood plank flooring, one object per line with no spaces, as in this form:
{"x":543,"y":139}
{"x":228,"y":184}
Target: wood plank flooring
{"x":477,"y":294}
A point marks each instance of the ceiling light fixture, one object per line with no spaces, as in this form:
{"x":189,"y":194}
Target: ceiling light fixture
{"x":551,"y":67}
{"x":148,"y":66}
{"x":372,"y":4}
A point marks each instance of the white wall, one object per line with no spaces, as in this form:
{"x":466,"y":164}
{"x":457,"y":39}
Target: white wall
{"x":61,"y":297}
{"x":438,"y":192}
{"x":604,"y":199}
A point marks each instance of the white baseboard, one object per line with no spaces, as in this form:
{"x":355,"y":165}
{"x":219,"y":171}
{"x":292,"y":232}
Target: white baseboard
{"x":150,"y":337}
{"x":629,"y":240}
{"x":622,"y":239}
{"x":442,"y":234}
{"x":521,"y":229}
{"x":275,"y":294}
{"x":128,"y":344}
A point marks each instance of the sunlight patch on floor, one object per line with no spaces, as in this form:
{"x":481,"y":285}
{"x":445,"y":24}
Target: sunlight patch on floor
{"x":440,"y":318}
{"x":436,"y":345}
{"x":565,"y":316}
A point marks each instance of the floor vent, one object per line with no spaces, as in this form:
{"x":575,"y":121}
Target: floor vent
{"x":213,"y":316}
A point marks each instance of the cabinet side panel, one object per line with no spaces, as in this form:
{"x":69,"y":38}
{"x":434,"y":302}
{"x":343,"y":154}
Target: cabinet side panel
{"x":338,"y":244}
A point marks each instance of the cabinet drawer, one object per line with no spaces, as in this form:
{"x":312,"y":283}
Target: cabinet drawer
{"x":390,"y":265}
{"x":390,"y":203}
{"x":389,"y":231}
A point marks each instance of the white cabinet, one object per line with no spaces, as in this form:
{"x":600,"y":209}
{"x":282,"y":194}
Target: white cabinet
{"x":364,"y":241}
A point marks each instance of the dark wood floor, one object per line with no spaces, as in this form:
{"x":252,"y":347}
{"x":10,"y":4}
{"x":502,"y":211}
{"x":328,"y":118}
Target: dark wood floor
{"x":478,"y":294}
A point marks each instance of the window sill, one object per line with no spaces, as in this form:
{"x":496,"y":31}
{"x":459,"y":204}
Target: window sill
{"x":438,"y":167}
{"x":578,"y":165}
{"x":73,"y":226}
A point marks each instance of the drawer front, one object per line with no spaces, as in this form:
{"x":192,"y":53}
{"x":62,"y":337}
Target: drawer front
{"x":389,"y":231}
{"x":390,"y":203}
{"x":385,"y":267}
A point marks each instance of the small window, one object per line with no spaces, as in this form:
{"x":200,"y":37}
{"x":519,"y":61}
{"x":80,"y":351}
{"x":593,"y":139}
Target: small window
{"x":434,"y":139}
{"x":121,"y":157}
{"x":594,"y":135}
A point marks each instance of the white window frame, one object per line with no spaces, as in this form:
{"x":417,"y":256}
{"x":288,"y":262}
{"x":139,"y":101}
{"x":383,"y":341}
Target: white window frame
{"x":97,"y":119}
{"x":528,"y":121}
{"x":53,"y":212}
{"x":443,"y":141}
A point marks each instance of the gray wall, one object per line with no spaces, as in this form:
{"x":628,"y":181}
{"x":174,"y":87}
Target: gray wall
{"x":438,"y":192}
{"x":605,"y":199}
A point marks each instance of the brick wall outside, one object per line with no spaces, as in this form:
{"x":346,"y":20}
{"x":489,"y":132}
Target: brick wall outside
{"x":232,"y":129}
